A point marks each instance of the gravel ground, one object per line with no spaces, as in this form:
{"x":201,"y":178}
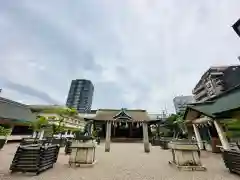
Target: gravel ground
{"x":126,"y":161}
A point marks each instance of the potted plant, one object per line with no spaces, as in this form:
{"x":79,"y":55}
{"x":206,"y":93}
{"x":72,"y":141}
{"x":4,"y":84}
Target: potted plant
{"x":4,"y":132}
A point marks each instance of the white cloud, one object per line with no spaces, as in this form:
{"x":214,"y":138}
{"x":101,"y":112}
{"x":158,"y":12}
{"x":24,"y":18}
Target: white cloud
{"x":138,"y":53}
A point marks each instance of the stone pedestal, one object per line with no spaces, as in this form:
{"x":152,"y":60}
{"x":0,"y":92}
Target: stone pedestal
{"x":82,"y":153}
{"x":108,"y":137}
{"x":186,"y":156}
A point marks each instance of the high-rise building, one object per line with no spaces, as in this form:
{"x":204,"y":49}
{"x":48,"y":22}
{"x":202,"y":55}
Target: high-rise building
{"x":80,"y":95}
{"x":215,"y":81}
{"x":180,"y":103}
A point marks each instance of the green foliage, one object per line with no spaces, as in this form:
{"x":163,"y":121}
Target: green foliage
{"x":171,"y":119}
{"x":39,"y":124}
{"x":4,"y":131}
{"x":78,"y":133}
{"x":56,"y":129}
{"x":175,"y":123}
{"x":94,"y":133}
{"x":232,"y":128}
{"x":63,"y":113}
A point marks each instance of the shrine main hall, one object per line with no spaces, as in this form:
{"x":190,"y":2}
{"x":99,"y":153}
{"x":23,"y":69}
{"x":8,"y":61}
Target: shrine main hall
{"x":123,"y":125}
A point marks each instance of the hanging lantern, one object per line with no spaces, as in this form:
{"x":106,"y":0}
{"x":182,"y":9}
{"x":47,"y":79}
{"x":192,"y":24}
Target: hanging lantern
{"x":126,"y":125}
{"x":137,"y":125}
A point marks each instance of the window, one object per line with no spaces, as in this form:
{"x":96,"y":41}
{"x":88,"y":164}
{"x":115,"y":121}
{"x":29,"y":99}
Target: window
{"x":211,"y":92}
{"x":208,"y":85}
{"x":219,"y":82}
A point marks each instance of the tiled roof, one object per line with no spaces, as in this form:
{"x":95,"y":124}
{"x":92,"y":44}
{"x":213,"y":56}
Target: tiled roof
{"x":44,"y":107}
{"x":15,"y":111}
{"x":218,"y":107}
{"x":109,"y":114}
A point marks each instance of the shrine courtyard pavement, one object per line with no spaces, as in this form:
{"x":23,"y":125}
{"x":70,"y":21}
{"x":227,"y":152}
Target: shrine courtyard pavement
{"x":126,"y":161}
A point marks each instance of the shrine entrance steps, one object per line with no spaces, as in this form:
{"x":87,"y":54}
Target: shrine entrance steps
{"x":127,"y":140}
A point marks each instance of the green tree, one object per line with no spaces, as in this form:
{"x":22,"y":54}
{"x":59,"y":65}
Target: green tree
{"x":4,"y":131}
{"x":175,"y":123}
{"x":39,"y":124}
{"x":63,"y":114}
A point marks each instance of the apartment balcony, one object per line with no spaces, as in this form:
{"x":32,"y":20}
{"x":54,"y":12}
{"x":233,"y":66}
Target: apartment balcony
{"x":198,"y":89}
{"x":199,"y":96}
{"x":216,"y":74}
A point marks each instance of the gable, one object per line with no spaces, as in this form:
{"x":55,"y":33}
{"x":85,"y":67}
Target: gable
{"x":123,"y":115}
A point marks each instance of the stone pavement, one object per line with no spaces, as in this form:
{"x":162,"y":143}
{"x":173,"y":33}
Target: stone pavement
{"x":124,"y":162}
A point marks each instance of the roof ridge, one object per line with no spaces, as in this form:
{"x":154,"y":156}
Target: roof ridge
{"x":138,"y":110}
{"x":9,"y":101}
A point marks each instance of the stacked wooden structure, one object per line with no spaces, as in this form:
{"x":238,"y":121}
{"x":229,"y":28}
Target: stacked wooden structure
{"x":34,"y":158}
{"x":231,"y":159}
{"x":28,"y":141}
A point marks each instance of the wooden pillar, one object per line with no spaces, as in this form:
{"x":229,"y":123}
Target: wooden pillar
{"x":198,"y":137}
{"x":145,"y":138}
{"x":189,"y":131}
{"x":158,"y":129}
{"x":114,"y":130}
{"x":130,"y":129}
{"x":221,"y":135}
{"x":108,"y":137}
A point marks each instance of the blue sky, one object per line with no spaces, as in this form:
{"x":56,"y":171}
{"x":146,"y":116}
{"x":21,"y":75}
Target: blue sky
{"x":138,"y":53}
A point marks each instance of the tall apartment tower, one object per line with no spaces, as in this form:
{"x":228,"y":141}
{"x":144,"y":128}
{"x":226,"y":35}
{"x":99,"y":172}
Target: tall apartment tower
{"x":215,"y":81}
{"x":181,"y":102}
{"x":80,"y":95}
